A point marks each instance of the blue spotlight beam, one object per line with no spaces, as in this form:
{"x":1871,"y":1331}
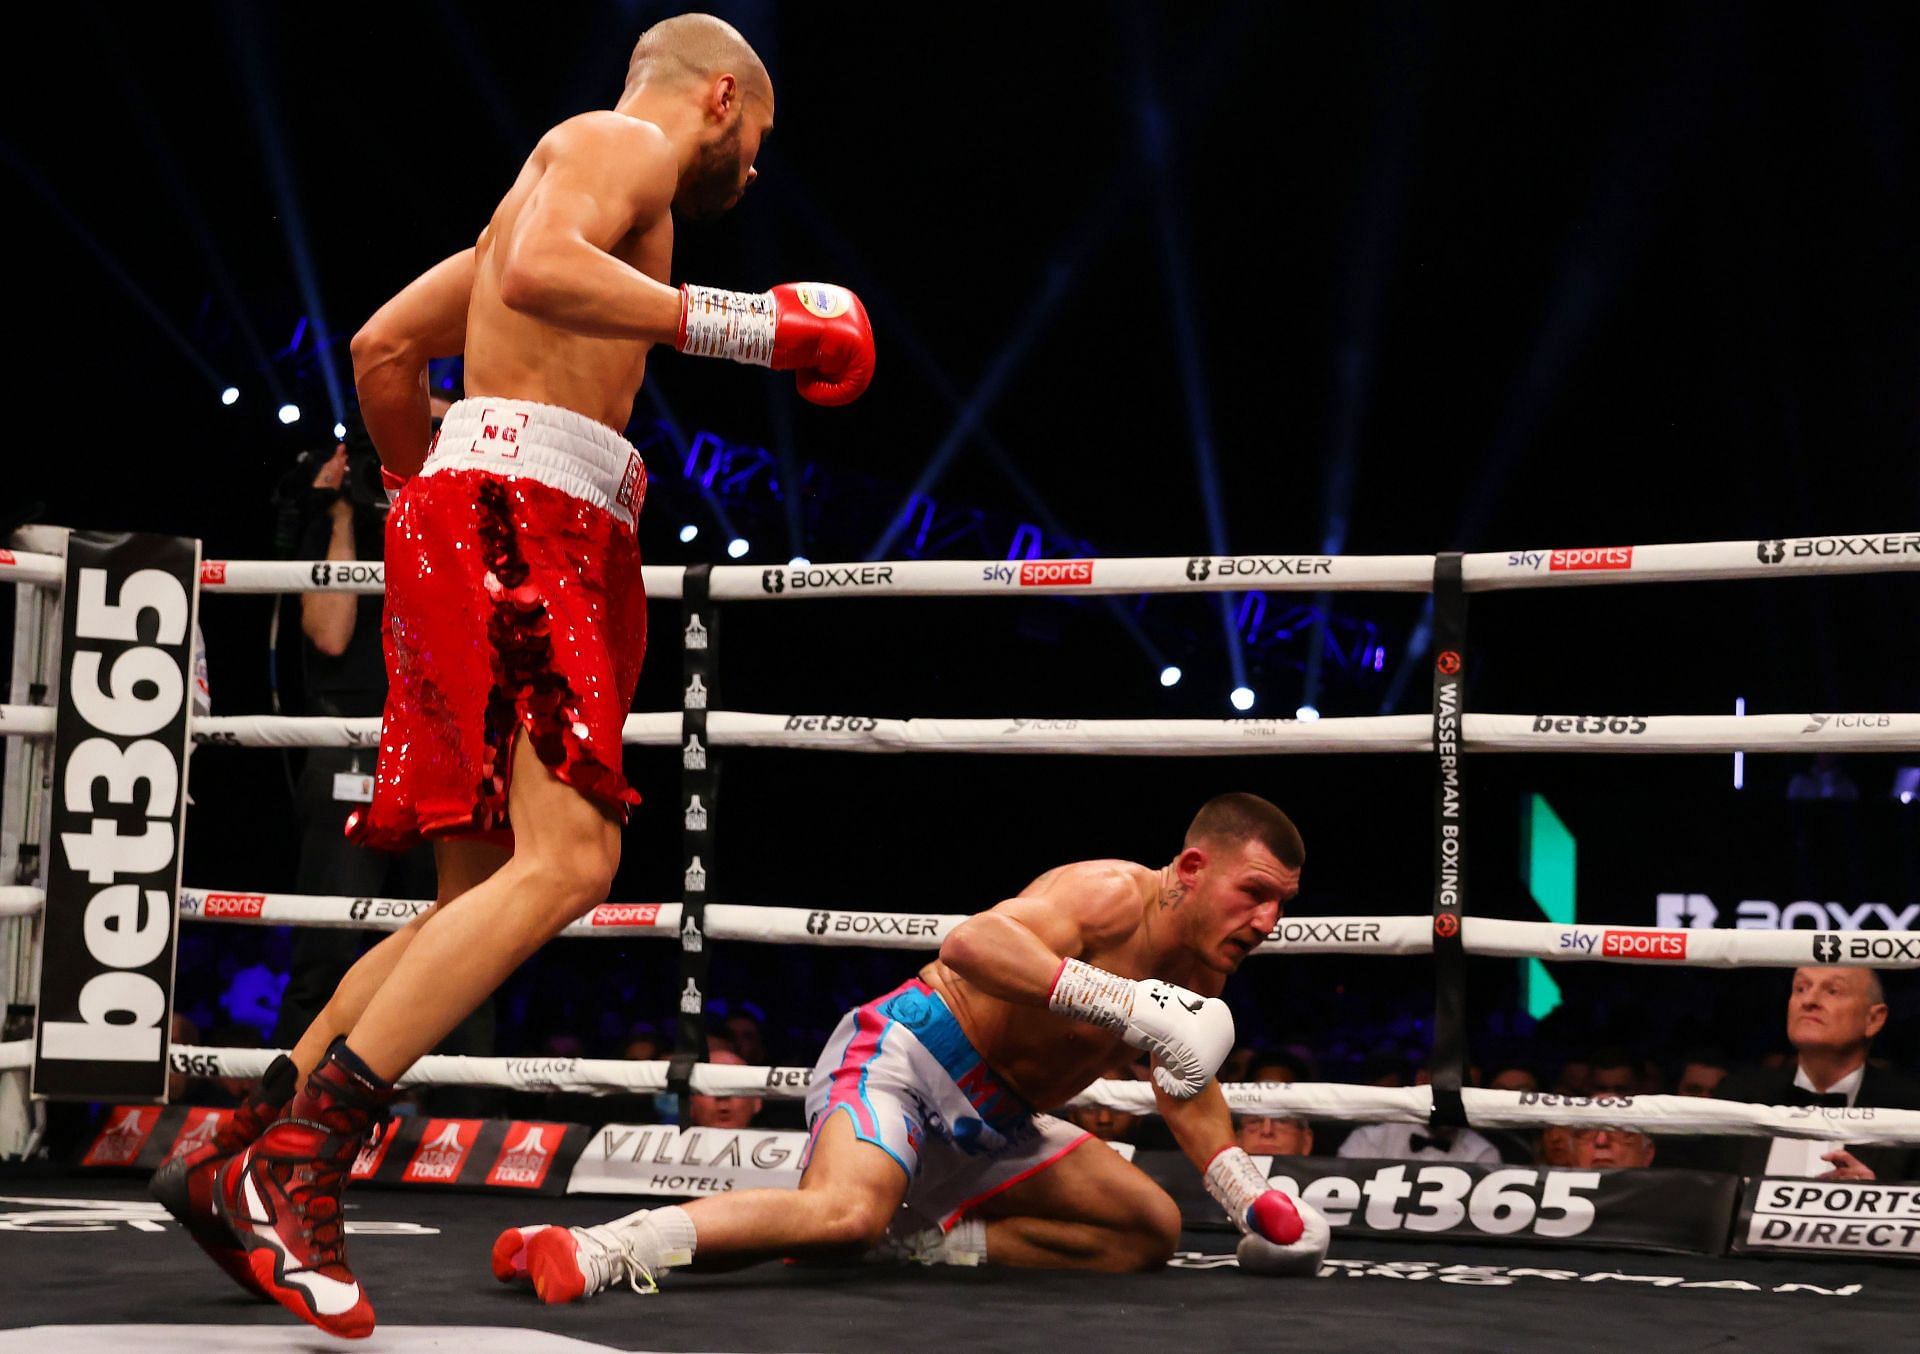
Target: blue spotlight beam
{"x":1374,"y":240}
{"x":186,"y":209}
{"x":293,"y":224}
{"x":1156,"y":139}
{"x":77,"y":230}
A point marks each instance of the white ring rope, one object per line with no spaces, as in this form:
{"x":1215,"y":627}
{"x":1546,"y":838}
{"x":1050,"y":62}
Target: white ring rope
{"x":1334,"y":1101}
{"x":1488,"y":937}
{"x":1486,"y":571}
{"x":1672,"y":734}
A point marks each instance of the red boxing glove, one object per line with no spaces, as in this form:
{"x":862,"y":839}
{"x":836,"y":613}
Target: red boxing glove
{"x":814,"y":328}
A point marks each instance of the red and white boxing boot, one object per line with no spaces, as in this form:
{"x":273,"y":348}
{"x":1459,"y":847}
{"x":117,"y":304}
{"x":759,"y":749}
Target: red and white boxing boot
{"x":185,"y":1184}
{"x":281,"y":1197}
{"x":566,"y":1264}
{"x":510,"y":1252}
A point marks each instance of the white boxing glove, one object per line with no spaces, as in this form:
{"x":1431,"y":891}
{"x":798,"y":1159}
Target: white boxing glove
{"x":1301,"y":1259}
{"x":1283,"y":1235}
{"x":1188,"y":1034}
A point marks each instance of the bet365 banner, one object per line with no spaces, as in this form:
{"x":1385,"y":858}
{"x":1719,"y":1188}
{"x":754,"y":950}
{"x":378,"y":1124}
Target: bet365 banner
{"x":119,"y":807}
{"x":1650,"y":1210}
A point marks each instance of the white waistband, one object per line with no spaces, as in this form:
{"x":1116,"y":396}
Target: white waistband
{"x":542,"y":442}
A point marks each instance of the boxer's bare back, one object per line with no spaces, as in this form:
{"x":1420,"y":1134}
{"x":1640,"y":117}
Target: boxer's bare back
{"x":1125,"y":918}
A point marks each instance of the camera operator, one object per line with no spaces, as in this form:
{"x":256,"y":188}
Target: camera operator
{"x":333,"y":508}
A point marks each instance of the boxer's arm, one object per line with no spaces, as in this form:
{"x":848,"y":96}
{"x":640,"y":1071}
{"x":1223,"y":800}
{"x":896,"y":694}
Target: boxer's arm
{"x":1013,"y":952}
{"x":1203,"y":1125}
{"x":427,"y":319}
{"x":602,"y":178}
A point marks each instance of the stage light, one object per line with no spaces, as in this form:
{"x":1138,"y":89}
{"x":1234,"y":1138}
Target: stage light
{"x":798,"y":561}
{"x":1169,"y":676}
{"x":737,"y":547}
{"x":1306,"y":712}
{"x":339,"y":432}
{"x":230,"y":396}
{"x":688,"y":532}
{"x":289,"y":413}
{"x":1242,"y":698}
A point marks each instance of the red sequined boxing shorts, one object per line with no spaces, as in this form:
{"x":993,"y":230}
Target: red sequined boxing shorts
{"x":511,"y":604}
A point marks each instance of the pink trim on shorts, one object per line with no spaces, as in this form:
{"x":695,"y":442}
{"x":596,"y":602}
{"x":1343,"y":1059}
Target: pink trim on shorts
{"x":946,"y":1223}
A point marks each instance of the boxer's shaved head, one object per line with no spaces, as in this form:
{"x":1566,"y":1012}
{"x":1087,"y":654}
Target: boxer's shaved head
{"x":1235,"y":818}
{"x":697,"y":48}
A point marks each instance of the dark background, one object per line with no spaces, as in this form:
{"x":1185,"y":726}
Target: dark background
{"x":1407,"y":278}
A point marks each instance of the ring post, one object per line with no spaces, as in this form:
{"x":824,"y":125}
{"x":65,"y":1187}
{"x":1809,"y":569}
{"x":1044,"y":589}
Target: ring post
{"x":699,"y":775}
{"x":1449,"y":1056}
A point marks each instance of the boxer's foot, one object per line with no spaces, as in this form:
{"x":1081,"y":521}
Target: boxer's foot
{"x":510,"y":1252}
{"x":281,"y":1197}
{"x":185,"y":1184}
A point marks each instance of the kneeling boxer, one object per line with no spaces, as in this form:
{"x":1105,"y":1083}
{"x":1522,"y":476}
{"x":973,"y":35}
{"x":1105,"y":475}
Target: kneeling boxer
{"x":931,"y":1096}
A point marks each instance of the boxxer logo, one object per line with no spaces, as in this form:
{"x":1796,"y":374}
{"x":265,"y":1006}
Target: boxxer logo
{"x":817,"y":923}
{"x":772,"y":580}
{"x":1772,"y":552}
{"x":1199,"y":569}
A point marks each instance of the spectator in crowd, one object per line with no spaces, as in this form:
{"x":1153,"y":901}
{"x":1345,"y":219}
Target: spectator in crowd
{"x":1613,"y":1071}
{"x":1514,"y":1076}
{"x":1576,"y":1078}
{"x":1701,"y":1072}
{"x":1595,"y":1147}
{"x":1516,"y":1148}
{"x":1408,"y":1141}
{"x":723,"y":1111}
{"x":1238,"y":1065}
{"x":1108,"y":1125}
{"x":1556,"y":1146}
{"x":1833,"y":1014}
{"x":1270,"y":1135}
{"x":1267,"y":1135}
{"x":742,"y":1030}
{"x":642,"y":1045}
{"x":1384,"y":1069}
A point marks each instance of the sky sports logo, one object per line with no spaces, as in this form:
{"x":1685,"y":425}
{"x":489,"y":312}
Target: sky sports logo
{"x":1644,"y":944}
{"x":231,"y":905}
{"x":1602,"y":557}
{"x":1056,"y":573}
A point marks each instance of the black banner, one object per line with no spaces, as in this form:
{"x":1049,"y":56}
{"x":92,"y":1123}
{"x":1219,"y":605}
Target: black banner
{"x":1641,"y":1210}
{"x":1828,"y":1217}
{"x":119,"y":805}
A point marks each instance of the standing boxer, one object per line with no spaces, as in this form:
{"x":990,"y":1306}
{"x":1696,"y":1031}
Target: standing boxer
{"x":515,"y":617}
{"x":930,"y":1095}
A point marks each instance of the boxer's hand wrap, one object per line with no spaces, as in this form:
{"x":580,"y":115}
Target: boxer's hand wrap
{"x":1281,"y":1235}
{"x":736,"y":325}
{"x":392,"y":483}
{"x":1189,"y":1035}
{"x":815,"y":329}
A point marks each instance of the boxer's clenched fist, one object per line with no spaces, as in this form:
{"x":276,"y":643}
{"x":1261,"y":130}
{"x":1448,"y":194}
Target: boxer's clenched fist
{"x":1189,"y":1035}
{"x":815,"y":329}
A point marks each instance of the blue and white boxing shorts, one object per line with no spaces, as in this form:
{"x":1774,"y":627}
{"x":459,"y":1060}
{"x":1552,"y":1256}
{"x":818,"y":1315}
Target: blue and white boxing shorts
{"x":914,"y":1086}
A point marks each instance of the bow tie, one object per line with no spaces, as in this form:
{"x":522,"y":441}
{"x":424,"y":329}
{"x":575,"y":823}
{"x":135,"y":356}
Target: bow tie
{"x":1420,"y":1142}
{"x":1830,"y":1100}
